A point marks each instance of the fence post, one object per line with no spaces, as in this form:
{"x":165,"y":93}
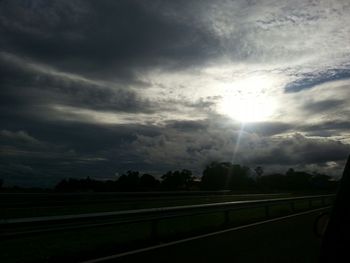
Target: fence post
{"x":292,"y":207}
{"x":154,"y":229}
{"x":267,"y":211}
{"x":310,"y":203}
{"x":227,"y":218}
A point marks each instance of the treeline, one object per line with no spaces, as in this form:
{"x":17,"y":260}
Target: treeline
{"x":18,"y":189}
{"x":216,"y":176}
{"x":236,"y":177}
{"x":133,"y":181}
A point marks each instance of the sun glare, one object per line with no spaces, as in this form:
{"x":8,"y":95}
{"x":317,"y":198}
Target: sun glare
{"x":249,"y":100}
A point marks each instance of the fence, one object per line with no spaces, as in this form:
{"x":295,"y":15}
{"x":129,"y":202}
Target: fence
{"x":30,"y":226}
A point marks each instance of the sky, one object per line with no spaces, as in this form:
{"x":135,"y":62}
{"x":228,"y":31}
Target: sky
{"x":96,"y":88}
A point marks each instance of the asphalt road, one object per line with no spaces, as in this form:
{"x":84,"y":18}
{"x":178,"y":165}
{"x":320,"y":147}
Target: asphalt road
{"x":288,"y":240}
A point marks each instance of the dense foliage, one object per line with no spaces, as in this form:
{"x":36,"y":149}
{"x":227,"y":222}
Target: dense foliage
{"x":215,"y":176}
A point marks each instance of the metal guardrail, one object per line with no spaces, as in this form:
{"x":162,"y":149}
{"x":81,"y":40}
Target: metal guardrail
{"x":34,"y":225}
{"x":76,"y":199}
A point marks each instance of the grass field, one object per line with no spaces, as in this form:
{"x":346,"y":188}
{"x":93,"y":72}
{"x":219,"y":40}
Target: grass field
{"x":69,"y":246}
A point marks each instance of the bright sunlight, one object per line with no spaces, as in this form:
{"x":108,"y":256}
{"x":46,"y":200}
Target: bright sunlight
{"x":248,"y":100}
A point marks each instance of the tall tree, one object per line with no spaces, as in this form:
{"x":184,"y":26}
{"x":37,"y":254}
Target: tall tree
{"x":259,"y":171}
{"x":177,"y":180}
{"x":148,"y":182}
{"x":224,"y":175}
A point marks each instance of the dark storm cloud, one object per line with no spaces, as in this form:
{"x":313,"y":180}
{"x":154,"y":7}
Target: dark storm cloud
{"x":194,"y":126}
{"x":25,"y":83}
{"x":29,"y":172}
{"x":28,"y":161}
{"x":62,"y":150}
{"x":326,"y":105}
{"x":269,"y":128}
{"x":259,"y":128}
{"x":192,"y":147}
{"x":110,"y":59}
{"x":310,"y":80}
{"x":99,"y":36}
{"x":44,"y":44}
{"x":20,"y":136}
{"x":83,"y":138}
{"x":300,"y":150}
{"x":326,"y":128}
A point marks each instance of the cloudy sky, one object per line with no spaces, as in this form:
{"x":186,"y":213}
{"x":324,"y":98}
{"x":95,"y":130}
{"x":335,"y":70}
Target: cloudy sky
{"x":94,"y":88}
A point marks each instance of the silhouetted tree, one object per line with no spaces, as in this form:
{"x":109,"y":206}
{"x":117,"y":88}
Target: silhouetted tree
{"x":61,"y":186}
{"x":296,"y":180}
{"x":290,"y":171}
{"x":216,"y":176}
{"x":66,"y":185}
{"x":177,"y":180}
{"x":272,"y":182}
{"x":323,"y":182}
{"x":148,"y":182}
{"x":80,"y":185}
{"x":220,"y":176}
{"x":129,"y":181}
{"x":239,"y":178}
{"x":259,"y":171}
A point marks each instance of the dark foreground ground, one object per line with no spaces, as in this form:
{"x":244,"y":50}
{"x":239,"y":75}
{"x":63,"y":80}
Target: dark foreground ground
{"x":289,"y":240}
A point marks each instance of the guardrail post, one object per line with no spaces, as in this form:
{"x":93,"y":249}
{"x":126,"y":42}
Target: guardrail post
{"x":267,"y":211}
{"x":227,"y":218}
{"x":154,"y":229}
{"x":323,"y":201}
{"x":292,"y":207}
{"x":310,"y":203}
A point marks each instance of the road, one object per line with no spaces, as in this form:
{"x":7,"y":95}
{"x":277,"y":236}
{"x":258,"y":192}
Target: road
{"x":288,"y":240}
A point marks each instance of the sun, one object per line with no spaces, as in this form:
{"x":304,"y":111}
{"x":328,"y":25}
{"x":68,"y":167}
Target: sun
{"x":247,"y":108}
{"x":249,"y":100}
